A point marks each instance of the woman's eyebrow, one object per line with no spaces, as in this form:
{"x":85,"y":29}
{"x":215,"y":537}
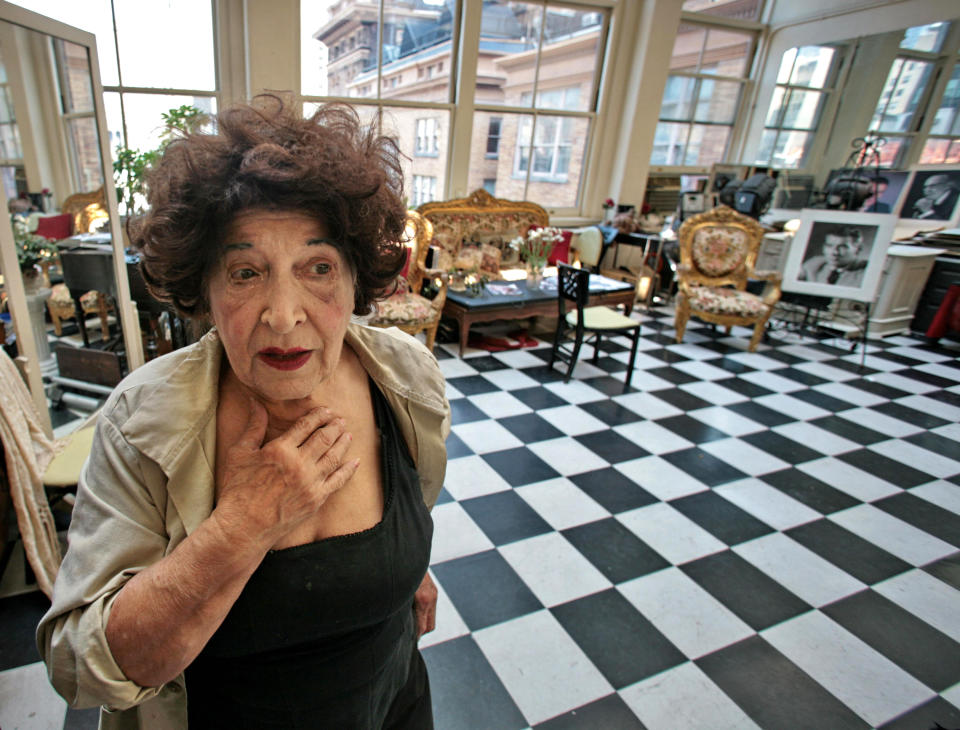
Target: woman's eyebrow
{"x":319,"y":241}
{"x":237,"y":246}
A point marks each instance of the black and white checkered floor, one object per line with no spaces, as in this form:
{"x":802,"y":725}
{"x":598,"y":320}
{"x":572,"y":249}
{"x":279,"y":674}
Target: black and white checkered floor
{"x":743,"y":540}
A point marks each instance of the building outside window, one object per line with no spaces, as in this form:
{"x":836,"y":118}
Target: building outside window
{"x":803,"y":85}
{"x":709,"y":68}
{"x":898,"y":114}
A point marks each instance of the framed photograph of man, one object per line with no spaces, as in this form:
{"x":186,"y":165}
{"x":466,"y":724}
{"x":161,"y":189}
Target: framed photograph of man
{"x":838,"y":253}
{"x":932,"y":196}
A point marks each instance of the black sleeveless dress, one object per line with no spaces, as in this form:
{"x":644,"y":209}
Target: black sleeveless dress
{"x":323,"y":635}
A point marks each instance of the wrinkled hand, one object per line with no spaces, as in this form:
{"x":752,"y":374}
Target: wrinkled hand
{"x":425,"y":606}
{"x":266,"y":490}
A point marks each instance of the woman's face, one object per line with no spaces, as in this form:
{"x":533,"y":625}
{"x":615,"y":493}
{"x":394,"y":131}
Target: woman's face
{"x":281,"y":298}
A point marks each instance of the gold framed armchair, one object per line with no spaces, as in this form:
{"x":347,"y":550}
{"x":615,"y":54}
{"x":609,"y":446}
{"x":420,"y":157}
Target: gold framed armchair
{"x":718,"y":250}
{"x":406,"y":309}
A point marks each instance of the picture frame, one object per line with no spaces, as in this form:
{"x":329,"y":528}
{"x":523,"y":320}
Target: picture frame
{"x":925,"y":202}
{"x":838,"y":253}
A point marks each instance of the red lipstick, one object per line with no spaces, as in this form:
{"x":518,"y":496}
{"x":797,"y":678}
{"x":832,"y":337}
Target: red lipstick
{"x":280,"y":359}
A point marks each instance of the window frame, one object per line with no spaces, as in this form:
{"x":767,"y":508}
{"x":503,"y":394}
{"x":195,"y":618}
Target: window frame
{"x":828,"y":92}
{"x":461,"y":66}
{"x":710,"y":22}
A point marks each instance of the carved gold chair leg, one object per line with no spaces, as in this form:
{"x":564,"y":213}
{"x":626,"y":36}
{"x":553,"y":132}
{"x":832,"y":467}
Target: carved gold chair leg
{"x":680,"y":318}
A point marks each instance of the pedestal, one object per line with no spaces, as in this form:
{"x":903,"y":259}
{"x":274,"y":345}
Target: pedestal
{"x":36,"y":304}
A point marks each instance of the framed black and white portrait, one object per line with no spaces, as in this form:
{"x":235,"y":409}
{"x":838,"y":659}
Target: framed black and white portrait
{"x":838,"y":253}
{"x":932,"y":196}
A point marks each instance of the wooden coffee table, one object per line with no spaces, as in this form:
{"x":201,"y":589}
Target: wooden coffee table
{"x":488,"y":307}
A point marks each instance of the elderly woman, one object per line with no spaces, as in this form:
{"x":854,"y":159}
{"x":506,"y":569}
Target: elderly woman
{"x":251,"y":536}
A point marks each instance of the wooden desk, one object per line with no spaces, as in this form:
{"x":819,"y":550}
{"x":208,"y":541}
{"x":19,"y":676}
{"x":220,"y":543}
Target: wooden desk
{"x":488,"y":307}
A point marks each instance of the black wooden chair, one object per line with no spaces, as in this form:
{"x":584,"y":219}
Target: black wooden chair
{"x":573,"y":285}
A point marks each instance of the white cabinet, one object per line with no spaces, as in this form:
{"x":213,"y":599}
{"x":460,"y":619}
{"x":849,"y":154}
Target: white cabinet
{"x":772,"y":255}
{"x":905,"y":273}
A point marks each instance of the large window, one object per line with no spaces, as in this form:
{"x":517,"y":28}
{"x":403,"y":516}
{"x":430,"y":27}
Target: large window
{"x":708,"y":69}
{"x":536,"y":99}
{"x":803,"y":84}
{"x":535,"y":95}
{"x":77,"y":114}
{"x":394,"y":61}
{"x":898,"y":116}
{"x":11,"y":161}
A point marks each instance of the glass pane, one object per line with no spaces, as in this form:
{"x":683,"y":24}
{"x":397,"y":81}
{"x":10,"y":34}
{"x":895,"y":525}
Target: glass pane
{"x":6,"y":105}
{"x":508,"y":170}
{"x":892,"y":152}
{"x":187,"y":23}
{"x":765,"y":150}
{"x":776,"y":108}
{"x":338,"y":48}
{"x":430,"y":129}
{"x":509,"y":37}
{"x":786,"y":66}
{"x":111,"y":104}
{"x":76,"y":84}
{"x":802,"y":109}
{"x":887,"y":93}
{"x":790,"y":149}
{"x":813,"y":66}
{"x":740,"y":9}
{"x":10,"y":142}
{"x":570,"y":54}
{"x":946,"y":115}
{"x":925,"y":37}
{"x":669,"y":143}
{"x":416,"y":50}
{"x":558,"y":154}
{"x":727,"y":53}
{"x":717,"y":101}
{"x":906,"y":96}
{"x":677,"y":98}
{"x":95,"y":17}
{"x":934,"y":151}
{"x":85,"y":151}
{"x":708,"y":144}
{"x":953,"y":154}
{"x":687,"y":47}
{"x":143,"y":116}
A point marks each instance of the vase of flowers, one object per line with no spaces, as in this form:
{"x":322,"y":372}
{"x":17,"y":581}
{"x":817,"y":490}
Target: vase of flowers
{"x":608,"y":210}
{"x":32,"y":250}
{"x":535,"y":247}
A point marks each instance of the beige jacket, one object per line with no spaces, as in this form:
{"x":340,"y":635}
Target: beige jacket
{"x":149,"y":483}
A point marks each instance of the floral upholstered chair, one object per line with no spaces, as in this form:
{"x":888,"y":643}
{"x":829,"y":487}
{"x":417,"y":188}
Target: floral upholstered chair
{"x":718,"y":250}
{"x":406,"y":308}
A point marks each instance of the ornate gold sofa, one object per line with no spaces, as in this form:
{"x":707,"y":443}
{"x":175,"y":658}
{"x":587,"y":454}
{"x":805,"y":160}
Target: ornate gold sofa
{"x":478,"y":218}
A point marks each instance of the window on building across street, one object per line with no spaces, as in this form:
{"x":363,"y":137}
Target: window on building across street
{"x":424,"y":189}
{"x":709,"y":67}
{"x":428,"y":137}
{"x":803,"y":84}
{"x":493,"y":137}
{"x":906,"y":93}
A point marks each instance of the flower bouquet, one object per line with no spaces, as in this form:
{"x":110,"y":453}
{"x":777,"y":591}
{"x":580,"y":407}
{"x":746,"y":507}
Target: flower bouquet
{"x":31,"y":247}
{"x":535,"y":247}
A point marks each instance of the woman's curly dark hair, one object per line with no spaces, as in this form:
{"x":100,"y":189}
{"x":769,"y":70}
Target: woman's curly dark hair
{"x":266,"y":156}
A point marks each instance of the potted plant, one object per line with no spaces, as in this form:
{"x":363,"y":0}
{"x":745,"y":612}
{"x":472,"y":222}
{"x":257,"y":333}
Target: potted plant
{"x":32,"y":250}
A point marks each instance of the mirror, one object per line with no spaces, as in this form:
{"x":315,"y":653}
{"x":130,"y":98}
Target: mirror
{"x":54,"y":147}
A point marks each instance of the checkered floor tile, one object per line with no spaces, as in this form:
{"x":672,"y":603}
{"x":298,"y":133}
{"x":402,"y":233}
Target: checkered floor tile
{"x":740,"y":540}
